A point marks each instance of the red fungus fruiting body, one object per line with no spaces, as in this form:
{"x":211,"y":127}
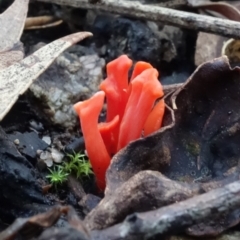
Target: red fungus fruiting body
{"x":145,"y":89}
{"x":139,"y":68}
{"x":107,"y":130}
{"x":115,"y":87}
{"x":88,"y":112}
{"x":130,"y":112}
{"x":154,"y":119}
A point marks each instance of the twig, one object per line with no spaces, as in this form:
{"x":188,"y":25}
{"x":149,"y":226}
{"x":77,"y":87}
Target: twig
{"x":171,"y":3}
{"x":175,"y":217}
{"x":159,"y":14}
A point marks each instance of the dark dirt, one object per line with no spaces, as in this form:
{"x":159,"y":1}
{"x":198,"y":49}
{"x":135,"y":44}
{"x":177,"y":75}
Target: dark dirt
{"x":18,"y":181}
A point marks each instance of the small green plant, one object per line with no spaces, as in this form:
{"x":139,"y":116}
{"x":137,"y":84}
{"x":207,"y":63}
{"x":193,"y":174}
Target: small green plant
{"x":77,"y":164}
{"x":85,"y":169}
{"x":57,"y":175}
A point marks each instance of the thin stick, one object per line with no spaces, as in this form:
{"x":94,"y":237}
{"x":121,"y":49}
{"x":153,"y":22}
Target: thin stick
{"x":170,"y":3}
{"x":175,"y":217}
{"x":159,"y":14}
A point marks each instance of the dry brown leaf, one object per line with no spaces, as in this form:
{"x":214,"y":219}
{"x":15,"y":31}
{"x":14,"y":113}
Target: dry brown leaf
{"x":29,"y":228}
{"x":224,"y":9}
{"x":16,"y":79}
{"x":34,"y":223}
{"x":41,"y":22}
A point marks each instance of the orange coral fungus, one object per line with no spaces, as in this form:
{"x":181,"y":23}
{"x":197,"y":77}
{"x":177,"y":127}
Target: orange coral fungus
{"x":145,"y":90}
{"x":154,"y":119}
{"x":107,"y":129}
{"x":88,"y":112}
{"x":115,"y":87}
{"x":130,"y":111}
{"x":139,"y":68}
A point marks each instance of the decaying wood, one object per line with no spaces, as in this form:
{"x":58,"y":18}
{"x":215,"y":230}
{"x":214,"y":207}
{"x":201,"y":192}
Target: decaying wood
{"x":159,"y":14}
{"x":175,"y":217}
{"x":171,"y":3}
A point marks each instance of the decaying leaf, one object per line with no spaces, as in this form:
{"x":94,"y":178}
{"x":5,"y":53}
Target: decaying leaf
{"x":33,"y":223}
{"x":222,"y":8}
{"x":12,"y":23}
{"x":32,"y":226}
{"x":16,"y":79}
{"x":41,"y":22}
{"x":199,"y":152}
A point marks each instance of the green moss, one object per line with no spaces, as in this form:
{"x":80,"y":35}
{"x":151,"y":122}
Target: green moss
{"x":193,"y":148}
{"x":76,"y":164}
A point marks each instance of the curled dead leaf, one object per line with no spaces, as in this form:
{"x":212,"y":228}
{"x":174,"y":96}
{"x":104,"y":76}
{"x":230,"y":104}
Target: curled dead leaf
{"x":27,"y":228}
{"x":41,"y":22}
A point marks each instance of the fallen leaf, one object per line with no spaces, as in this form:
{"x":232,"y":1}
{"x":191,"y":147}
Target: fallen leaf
{"x":12,"y":55}
{"x":12,"y":22}
{"x":224,"y":9}
{"x":16,"y":79}
{"x":33,"y":23}
{"x":27,"y":228}
{"x":34,"y":224}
